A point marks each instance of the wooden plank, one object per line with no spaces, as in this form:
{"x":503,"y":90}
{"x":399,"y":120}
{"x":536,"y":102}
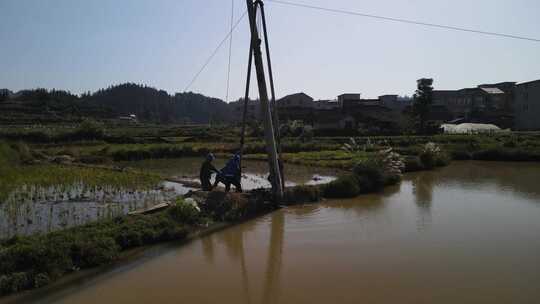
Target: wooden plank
{"x":152,"y":209}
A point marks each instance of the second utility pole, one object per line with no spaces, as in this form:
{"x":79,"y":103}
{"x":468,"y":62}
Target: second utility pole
{"x":269,"y":134}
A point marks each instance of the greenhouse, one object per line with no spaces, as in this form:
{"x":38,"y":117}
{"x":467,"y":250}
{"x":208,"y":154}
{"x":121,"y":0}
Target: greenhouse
{"x":470,"y":128}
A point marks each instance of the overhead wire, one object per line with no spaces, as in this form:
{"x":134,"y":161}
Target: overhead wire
{"x":215,"y":52}
{"x":401,"y":20}
{"x":347,"y":12}
{"x":230,"y":53}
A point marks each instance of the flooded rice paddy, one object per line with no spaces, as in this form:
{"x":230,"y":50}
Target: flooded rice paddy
{"x":468,"y":233}
{"x":29,"y":209}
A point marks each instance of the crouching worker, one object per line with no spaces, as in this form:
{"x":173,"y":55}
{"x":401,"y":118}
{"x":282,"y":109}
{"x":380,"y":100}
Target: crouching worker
{"x":206,"y":172}
{"x":230,"y":174}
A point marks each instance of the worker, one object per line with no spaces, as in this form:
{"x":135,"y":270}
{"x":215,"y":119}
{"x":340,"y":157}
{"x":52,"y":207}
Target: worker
{"x":206,"y":172}
{"x":230,"y":174}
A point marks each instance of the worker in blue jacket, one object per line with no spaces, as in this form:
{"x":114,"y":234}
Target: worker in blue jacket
{"x":230,"y":174}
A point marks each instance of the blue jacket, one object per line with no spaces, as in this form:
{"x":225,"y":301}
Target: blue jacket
{"x":232,"y":168}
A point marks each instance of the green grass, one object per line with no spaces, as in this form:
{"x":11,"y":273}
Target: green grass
{"x":330,"y":159}
{"x":154,"y":142}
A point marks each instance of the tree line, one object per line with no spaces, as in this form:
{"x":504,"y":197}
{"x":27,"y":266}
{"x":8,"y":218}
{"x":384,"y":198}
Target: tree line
{"x":149,"y":104}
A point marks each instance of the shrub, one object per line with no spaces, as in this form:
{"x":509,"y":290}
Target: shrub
{"x":369,"y":175}
{"x":97,"y":251}
{"x":510,"y":143}
{"x":412,"y":164}
{"x":344,"y":187}
{"x":87,"y":130}
{"x":183,"y":212}
{"x":461,"y":155}
{"x":391,"y":163}
{"x":15,"y":282}
{"x":40,"y":255}
{"x":5,"y":284}
{"x":505,"y":154}
{"x":429,"y":155}
{"x":20,"y":281}
{"x":302,"y":194}
{"x":41,"y":279}
{"x":442,"y":160}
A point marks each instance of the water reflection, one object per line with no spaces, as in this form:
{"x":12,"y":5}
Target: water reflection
{"x":423,"y":186}
{"x":272,"y":290}
{"x":364,"y":250}
{"x":234,"y":241}
{"x":234,"y":245}
{"x":520,"y":178}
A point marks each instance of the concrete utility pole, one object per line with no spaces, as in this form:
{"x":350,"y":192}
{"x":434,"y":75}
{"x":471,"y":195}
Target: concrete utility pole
{"x":271,"y":146}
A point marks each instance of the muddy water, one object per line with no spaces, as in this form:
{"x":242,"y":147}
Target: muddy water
{"x":468,"y":233}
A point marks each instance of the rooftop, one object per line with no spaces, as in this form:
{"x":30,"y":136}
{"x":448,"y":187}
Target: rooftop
{"x":492,"y":90}
{"x":528,"y":82}
{"x":301,"y":94}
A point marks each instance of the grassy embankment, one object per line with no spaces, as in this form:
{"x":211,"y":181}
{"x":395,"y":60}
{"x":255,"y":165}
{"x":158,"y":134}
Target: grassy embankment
{"x":35,"y":261}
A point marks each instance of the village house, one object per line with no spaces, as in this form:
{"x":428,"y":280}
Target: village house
{"x":484,"y":104}
{"x":527,"y":106}
{"x":506,"y":102}
{"x":325,"y":104}
{"x":297,"y":106}
{"x":349,"y":99}
{"x":333,"y":120}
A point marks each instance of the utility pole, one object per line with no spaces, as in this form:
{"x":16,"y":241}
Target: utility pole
{"x":271,"y":146}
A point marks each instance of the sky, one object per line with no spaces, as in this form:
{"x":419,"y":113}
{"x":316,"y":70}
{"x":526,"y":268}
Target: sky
{"x":83,"y":46}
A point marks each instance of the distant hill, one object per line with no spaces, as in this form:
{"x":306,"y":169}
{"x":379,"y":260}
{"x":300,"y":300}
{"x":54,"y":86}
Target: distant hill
{"x":149,"y":104}
{"x":44,"y":106}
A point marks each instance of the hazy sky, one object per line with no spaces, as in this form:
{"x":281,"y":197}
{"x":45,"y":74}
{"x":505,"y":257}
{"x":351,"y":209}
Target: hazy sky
{"x":86,"y":45}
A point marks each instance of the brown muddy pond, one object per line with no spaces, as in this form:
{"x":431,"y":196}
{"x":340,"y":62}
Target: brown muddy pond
{"x":468,"y":233}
